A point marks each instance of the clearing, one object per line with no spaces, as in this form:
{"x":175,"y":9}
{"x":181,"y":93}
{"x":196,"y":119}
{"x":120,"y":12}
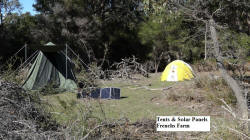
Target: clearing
{"x":146,"y":98}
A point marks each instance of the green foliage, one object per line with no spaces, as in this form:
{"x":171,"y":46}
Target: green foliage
{"x":155,"y":6}
{"x":7,"y":7}
{"x":107,"y":31}
{"x":50,"y":89}
{"x":88,"y":78}
{"x":149,"y":31}
{"x":91,"y":27}
{"x":244,"y":40}
{"x":169,"y":33}
{"x":235,"y":45}
{"x":15,"y":32}
{"x":19,"y":27}
{"x":233,"y":13}
{"x":62,"y":103}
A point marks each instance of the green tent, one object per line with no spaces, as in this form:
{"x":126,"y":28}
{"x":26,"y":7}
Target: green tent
{"x":49,"y":69}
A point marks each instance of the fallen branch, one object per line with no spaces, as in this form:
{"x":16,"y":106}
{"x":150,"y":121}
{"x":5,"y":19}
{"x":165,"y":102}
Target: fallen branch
{"x":232,"y":113}
{"x":58,"y":113}
{"x":152,"y":89}
{"x":238,"y":132}
{"x":87,"y":135}
{"x":23,"y":123}
{"x":229,"y":109}
{"x":23,"y":117}
{"x":157,"y":88}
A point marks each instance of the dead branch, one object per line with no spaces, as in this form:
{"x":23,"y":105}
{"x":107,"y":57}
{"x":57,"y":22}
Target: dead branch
{"x":21,"y":115}
{"x":238,"y":132}
{"x":152,"y":89}
{"x":87,"y":135}
{"x":126,"y":68}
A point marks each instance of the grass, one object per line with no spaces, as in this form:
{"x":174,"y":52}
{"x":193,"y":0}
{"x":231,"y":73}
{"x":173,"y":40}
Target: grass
{"x":137,"y":103}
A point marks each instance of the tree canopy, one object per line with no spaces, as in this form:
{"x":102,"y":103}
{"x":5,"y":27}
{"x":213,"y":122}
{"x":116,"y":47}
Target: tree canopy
{"x":105,"y":31}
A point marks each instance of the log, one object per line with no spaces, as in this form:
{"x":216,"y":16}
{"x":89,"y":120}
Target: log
{"x":241,"y":102}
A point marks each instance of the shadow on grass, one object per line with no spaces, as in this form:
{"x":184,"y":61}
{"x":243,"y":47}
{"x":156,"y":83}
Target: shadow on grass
{"x":123,"y":97}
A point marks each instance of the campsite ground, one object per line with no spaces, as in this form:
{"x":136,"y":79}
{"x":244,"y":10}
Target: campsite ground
{"x":145,"y":98}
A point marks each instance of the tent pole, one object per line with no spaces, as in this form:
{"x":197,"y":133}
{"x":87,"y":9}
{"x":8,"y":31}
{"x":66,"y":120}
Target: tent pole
{"x":25,"y":51}
{"x":66,"y":51}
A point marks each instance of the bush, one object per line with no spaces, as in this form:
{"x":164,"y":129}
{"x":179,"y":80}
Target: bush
{"x":216,"y":88}
{"x":23,"y":116}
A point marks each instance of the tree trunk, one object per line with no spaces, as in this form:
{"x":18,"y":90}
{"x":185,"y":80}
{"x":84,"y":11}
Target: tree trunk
{"x":156,"y":68}
{"x":248,"y":23}
{"x":1,"y":16}
{"x":215,"y":40}
{"x":205,"y":43}
{"x":242,"y":105}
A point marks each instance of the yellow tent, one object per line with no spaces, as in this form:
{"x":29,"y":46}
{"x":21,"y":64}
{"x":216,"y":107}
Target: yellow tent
{"x":177,"y":70}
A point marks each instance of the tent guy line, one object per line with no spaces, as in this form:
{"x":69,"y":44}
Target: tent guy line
{"x":47,"y":66}
{"x":32,"y":58}
{"x":85,"y":64}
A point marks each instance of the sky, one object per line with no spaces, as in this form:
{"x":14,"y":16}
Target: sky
{"x":27,"y":6}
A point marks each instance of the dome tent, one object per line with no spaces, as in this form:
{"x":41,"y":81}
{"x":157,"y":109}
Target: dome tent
{"x":51,"y":68}
{"x":177,"y":70}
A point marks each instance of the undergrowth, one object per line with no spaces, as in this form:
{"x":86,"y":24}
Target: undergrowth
{"x":216,"y":89}
{"x":9,"y":71}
